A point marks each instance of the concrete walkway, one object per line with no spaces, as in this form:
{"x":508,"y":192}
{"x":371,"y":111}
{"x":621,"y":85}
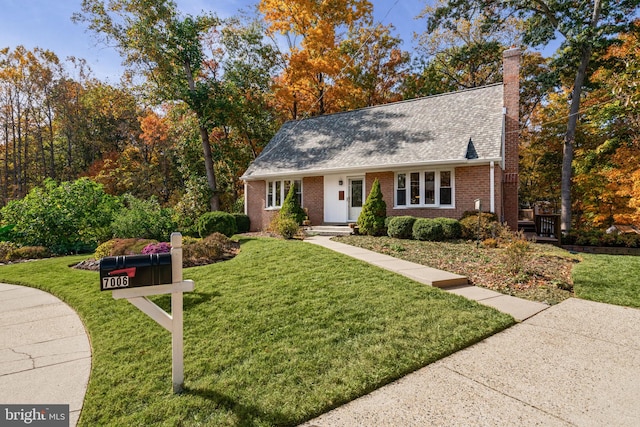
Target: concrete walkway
{"x":575,"y":364}
{"x":519,"y":308}
{"x":45,"y":355}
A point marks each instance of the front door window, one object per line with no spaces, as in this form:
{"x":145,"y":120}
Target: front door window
{"x":356,"y":198}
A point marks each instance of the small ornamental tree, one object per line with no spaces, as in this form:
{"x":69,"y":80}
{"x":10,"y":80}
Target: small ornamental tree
{"x":374,"y":212}
{"x":291,"y":207}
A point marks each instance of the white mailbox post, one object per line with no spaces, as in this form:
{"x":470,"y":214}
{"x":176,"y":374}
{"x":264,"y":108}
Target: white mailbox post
{"x":171,"y":322}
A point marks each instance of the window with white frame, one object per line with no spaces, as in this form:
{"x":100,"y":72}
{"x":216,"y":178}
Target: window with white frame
{"x":432,"y":188}
{"x":277,"y":191}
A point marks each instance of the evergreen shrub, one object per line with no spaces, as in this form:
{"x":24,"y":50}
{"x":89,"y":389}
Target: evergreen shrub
{"x":450,"y":227}
{"x":427,"y":229}
{"x":243,"y":223}
{"x":291,"y":207}
{"x":216,"y":222}
{"x":400,"y":227}
{"x":374,"y":212}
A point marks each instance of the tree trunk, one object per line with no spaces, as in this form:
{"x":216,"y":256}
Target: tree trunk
{"x":569,"y":141}
{"x":214,"y":201}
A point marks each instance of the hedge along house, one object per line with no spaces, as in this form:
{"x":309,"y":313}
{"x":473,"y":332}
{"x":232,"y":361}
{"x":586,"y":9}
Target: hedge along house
{"x":433,"y":156}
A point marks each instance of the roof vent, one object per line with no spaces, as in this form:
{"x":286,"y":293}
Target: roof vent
{"x":471,"y":151}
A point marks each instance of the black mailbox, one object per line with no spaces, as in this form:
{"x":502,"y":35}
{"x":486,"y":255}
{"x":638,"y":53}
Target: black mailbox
{"x":132,"y":271}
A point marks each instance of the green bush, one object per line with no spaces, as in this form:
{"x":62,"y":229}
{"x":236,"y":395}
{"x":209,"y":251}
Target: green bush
{"x":6,"y":233}
{"x":291,"y":207}
{"x":216,"y":222}
{"x":401,"y":227}
{"x":285,"y":226}
{"x":374,"y":212}
{"x":65,"y":218}
{"x":427,"y":229}
{"x":597,"y":237}
{"x":450,"y":227}
{"x":488,"y":226}
{"x":29,"y":252}
{"x":243,"y":223}
{"x":143,"y":219}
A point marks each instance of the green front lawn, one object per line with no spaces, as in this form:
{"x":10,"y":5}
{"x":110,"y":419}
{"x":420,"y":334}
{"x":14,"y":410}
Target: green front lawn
{"x":614,"y":279}
{"x":283,"y":332}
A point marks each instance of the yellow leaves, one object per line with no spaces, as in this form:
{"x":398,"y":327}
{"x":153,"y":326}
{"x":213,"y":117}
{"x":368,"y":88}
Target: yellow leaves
{"x":309,"y":81}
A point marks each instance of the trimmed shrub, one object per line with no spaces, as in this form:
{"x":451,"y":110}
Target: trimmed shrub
{"x":29,"y":252}
{"x":291,"y":207}
{"x":401,"y":227}
{"x":216,"y":222}
{"x":427,"y":229}
{"x":450,"y":227}
{"x":488,"y":226}
{"x":243,"y":223}
{"x":374,"y":212}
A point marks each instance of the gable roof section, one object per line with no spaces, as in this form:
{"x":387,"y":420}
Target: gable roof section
{"x":432,"y":130}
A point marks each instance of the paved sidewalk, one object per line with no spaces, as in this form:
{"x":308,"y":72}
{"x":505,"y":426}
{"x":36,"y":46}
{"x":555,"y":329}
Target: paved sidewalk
{"x":45,"y":355}
{"x":519,"y":308}
{"x":575,"y":364}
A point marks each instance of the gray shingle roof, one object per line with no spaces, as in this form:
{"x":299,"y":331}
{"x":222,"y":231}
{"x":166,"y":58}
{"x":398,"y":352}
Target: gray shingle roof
{"x":431,"y":130}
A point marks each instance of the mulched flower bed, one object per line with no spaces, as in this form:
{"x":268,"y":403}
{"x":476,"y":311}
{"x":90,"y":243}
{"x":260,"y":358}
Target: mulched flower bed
{"x":542,"y":274}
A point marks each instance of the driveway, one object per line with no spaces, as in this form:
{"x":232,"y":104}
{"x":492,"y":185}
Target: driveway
{"x":576,"y":363}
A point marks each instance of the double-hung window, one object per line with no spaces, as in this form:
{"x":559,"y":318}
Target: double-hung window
{"x":277,"y":191}
{"x":429,"y":188}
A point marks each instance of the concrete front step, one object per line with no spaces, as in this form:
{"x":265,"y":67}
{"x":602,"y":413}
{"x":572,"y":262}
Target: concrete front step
{"x":328,"y":230}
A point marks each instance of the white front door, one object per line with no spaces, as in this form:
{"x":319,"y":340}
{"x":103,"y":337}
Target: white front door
{"x":356,"y":198}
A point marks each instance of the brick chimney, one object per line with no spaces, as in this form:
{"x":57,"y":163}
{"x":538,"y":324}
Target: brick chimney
{"x":511,"y":93}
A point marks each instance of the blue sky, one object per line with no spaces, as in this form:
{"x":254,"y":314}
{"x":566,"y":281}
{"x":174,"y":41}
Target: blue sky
{"x":47,"y":24}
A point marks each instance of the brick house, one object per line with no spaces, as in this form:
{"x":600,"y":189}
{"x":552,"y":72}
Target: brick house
{"x":433,"y":156}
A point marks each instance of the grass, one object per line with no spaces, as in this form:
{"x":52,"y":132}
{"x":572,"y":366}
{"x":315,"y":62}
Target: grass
{"x":543,"y":273}
{"x":282,"y":333}
{"x":614,"y":279}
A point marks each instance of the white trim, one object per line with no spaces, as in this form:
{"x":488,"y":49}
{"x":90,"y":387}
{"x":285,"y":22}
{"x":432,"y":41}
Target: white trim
{"x":246,"y":202}
{"x":443,"y":164}
{"x":492,"y":191}
{"x":364,"y":193}
{"x":283,"y":194}
{"x":503,"y":138}
{"x":437,"y":187}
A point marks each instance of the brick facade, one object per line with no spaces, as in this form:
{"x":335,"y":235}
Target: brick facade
{"x":313,"y":198}
{"x":471,"y":183}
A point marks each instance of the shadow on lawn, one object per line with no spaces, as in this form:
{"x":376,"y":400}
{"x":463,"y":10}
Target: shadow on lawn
{"x":248,"y":415}
{"x":190,"y":299}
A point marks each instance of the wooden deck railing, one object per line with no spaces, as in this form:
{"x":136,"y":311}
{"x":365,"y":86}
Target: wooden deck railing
{"x":548,"y":225}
